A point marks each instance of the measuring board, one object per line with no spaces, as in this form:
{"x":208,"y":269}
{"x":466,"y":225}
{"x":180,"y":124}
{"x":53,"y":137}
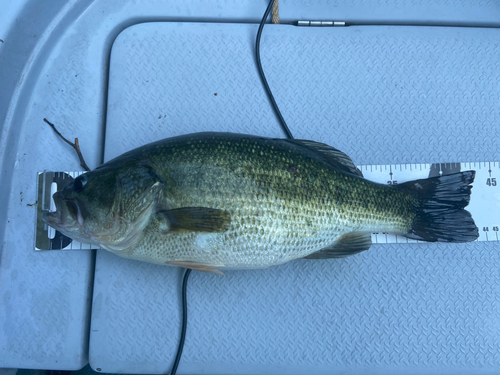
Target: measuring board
{"x":484,"y":203}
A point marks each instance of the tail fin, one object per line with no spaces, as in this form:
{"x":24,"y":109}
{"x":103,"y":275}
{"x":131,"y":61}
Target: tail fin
{"x":440,"y":209}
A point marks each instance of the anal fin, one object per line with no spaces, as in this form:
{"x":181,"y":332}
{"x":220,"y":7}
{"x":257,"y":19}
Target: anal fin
{"x":348,"y":244}
{"x":197,"y":266}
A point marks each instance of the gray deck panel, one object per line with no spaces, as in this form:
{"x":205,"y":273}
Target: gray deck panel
{"x":382,"y":95}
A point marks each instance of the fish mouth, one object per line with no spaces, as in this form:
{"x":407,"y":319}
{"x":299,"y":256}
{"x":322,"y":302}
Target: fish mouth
{"x":67,"y":214}
{"x":74,"y":210}
{"x":52,"y":219}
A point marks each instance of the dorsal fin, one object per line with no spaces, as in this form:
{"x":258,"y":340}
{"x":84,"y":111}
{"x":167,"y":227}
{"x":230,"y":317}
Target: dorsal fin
{"x":335,"y":158}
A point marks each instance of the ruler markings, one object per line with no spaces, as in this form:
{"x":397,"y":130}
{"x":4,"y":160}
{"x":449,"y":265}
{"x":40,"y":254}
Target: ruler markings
{"x":484,"y":204}
{"x":485,"y":199}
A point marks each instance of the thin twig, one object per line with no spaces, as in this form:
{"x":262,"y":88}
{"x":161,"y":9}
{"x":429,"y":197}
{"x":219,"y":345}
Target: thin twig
{"x":75,"y":145}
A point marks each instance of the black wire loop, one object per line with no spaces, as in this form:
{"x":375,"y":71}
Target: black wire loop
{"x":277,"y":111}
{"x":289,"y":135}
{"x":184,"y":323}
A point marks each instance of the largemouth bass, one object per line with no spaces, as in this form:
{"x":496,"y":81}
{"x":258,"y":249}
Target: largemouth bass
{"x":216,"y":201}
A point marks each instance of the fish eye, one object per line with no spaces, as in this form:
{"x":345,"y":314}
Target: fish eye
{"x":79,"y":183}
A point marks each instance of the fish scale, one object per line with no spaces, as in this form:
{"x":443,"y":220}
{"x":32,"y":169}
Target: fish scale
{"x":481,"y":200}
{"x":296,"y":219}
{"x":214,"y":201}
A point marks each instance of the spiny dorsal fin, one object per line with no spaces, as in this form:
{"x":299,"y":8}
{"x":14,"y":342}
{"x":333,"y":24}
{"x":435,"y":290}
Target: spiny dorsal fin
{"x":336,"y":158}
{"x":194,"y":219}
{"x":348,"y":244}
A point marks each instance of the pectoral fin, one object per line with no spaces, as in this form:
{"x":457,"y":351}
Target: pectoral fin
{"x":194,"y":219}
{"x":202,"y":267}
{"x":348,"y":244}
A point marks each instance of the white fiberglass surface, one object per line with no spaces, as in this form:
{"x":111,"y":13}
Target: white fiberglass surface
{"x":54,"y":64}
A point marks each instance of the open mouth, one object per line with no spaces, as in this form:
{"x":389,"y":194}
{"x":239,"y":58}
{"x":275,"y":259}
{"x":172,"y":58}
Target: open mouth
{"x":67,"y":213}
{"x":74,"y":210}
{"x":52,"y":219}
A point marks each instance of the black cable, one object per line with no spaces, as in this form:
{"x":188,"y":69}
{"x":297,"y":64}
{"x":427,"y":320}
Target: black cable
{"x":263,"y":76}
{"x":184,"y":323}
{"x":288,"y":134}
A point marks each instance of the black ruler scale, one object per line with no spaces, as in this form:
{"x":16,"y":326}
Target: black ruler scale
{"x":484,"y":204}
